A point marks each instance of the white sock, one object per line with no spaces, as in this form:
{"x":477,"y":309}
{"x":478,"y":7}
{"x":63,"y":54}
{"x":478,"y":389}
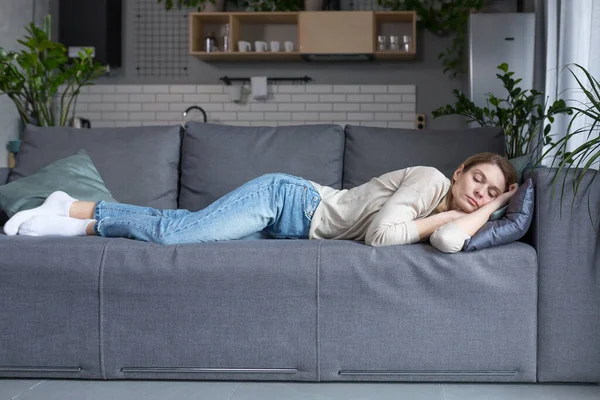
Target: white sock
{"x":54,"y":225}
{"x":58,"y":203}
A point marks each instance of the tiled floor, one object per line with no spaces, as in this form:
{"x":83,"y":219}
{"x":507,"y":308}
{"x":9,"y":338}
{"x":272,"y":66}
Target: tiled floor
{"x":170,"y":390}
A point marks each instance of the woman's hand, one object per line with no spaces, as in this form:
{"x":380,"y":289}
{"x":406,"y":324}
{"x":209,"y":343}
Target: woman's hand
{"x":504,"y":198}
{"x":470,"y":223}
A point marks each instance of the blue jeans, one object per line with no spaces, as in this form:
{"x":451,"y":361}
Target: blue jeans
{"x":271,"y":206}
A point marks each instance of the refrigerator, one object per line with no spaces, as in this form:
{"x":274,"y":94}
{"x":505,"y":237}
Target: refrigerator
{"x":496,"y":38}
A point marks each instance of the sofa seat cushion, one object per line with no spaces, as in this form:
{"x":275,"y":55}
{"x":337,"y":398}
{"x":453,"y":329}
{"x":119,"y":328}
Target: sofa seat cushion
{"x":50,"y":306}
{"x":374,"y":151}
{"x":230,"y":310}
{"x":218,"y":158}
{"x":139,"y":165}
{"x":411,"y":313}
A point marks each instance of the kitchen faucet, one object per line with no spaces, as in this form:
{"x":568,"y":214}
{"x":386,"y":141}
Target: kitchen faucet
{"x":197,"y":108}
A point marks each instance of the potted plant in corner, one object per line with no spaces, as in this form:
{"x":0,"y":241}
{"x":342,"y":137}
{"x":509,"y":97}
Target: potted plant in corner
{"x":42,"y":81}
{"x":520,"y":115}
{"x":582,"y":157}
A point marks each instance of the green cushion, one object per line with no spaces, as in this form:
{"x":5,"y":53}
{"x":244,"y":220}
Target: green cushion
{"x":76,"y":175}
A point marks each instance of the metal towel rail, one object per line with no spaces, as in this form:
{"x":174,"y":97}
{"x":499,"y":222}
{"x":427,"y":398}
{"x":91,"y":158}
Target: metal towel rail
{"x":227,"y":80}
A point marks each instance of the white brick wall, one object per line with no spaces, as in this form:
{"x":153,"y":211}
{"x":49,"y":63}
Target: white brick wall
{"x":140,"y":105}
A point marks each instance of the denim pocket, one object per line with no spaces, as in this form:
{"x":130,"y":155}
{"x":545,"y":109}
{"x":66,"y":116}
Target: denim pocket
{"x":310,"y":202}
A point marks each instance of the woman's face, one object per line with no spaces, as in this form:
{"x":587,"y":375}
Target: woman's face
{"x":476,"y":187}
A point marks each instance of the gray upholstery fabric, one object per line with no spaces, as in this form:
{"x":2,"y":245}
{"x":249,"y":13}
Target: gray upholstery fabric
{"x":236,"y":304}
{"x":568,"y":248}
{"x":373,"y":151}
{"x":218,"y":158}
{"x":4,"y":175}
{"x":3,"y":179}
{"x":49,"y":312}
{"x":411,"y":313}
{"x":139,"y":165}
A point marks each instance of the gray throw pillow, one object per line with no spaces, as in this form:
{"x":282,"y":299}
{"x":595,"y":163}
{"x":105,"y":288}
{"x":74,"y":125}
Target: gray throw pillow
{"x":511,"y":227}
{"x":498,"y":214}
{"x":76,"y":175}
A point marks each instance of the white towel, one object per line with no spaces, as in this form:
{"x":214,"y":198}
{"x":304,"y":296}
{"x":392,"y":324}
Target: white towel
{"x":259,"y":87}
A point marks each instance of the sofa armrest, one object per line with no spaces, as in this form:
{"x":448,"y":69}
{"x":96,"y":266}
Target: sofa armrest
{"x":568,"y":248}
{"x":4,"y":175}
{"x":3,"y":180}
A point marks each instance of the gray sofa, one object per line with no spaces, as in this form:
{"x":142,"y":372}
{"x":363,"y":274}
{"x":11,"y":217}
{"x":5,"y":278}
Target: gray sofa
{"x":298,"y":310}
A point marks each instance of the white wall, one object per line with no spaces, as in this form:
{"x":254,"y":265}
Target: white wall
{"x":391,"y":106}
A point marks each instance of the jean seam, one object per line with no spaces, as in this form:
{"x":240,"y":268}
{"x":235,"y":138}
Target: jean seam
{"x":97,"y":211}
{"x":123,"y":210}
{"x":129,"y":223}
{"x":315,"y":199}
{"x":307,"y":214}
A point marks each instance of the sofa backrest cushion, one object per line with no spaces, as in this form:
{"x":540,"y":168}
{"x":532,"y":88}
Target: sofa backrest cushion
{"x":139,"y":165}
{"x":75,"y":175}
{"x":4,"y":172}
{"x":219,"y":158}
{"x":371,"y":151}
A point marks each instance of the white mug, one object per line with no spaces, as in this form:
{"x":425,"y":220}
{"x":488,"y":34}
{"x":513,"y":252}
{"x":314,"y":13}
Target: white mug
{"x":274,"y":45}
{"x":244,"y":46}
{"x":260,"y":46}
{"x":288,"y":45}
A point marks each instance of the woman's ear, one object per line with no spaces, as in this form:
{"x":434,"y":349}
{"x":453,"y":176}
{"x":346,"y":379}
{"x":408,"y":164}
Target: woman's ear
{"x":458,"y":173}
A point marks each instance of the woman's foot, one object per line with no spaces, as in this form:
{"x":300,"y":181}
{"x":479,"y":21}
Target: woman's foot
{"x":54,"y":225}
{"x":58,"y":204}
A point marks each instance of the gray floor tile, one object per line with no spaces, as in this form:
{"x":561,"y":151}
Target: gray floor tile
{"x":337,"y":391}
{"x":520,"y":392}
{"x":130,"y":390}
{"x":174,"y":390}
{"x":9,"y":388}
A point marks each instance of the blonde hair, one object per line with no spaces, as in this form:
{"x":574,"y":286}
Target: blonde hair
{"x":509,"y":172}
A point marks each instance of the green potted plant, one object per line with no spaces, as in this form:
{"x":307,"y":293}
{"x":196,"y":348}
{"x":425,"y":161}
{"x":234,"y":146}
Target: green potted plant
{"x":521,"y":115}
{"x":583,"y":157}
{"x":42,"y":81}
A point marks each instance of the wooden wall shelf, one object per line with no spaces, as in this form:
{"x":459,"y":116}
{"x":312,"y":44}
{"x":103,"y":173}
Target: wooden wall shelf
{"x":311,"y":32}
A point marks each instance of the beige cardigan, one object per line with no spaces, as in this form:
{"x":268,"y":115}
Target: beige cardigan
{"x":383,"y":211}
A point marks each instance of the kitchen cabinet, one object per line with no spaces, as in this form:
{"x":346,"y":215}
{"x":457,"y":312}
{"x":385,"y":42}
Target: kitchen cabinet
{"x":336,"y":32}
{"x":310,"y":32}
